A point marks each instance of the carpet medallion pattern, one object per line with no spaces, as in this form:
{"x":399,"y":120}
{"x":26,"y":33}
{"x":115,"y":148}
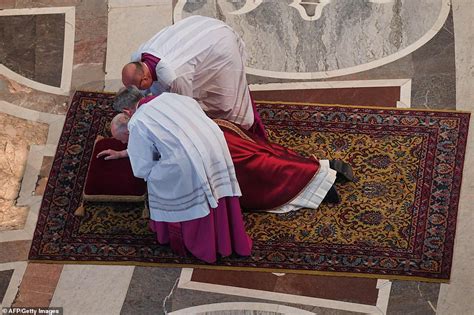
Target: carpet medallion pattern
{"x":397,"y":220}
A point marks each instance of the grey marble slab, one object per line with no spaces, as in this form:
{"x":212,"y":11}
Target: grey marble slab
{"x":280,"y":36}
{"x":434,"y":79}
{"x":151,"y":285}
{"x":49,"y":48}
{"x":409,"y":297}
{"x":5,"y":276}
{"x":148,"y":289}
{"x":17,"y":44}
{"x":432,"y":69}
{"x":32,"y":46}
{"x":239,"y":312}
{"x":184,"y":298}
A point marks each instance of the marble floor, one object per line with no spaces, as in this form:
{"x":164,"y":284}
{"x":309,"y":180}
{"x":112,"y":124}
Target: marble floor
{"x":394,"y":53}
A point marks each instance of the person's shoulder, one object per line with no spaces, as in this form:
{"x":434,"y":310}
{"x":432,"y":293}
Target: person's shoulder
{"x":175,"y":96}
{"x":147,"y":99}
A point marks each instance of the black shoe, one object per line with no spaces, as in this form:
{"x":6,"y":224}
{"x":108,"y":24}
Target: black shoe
{"x":332,"y":196}
{"x":343,"y":169}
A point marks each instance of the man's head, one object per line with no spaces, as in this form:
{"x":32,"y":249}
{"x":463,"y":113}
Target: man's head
{"x":119,"y":127}
{"x":138,"y":74}
{"x":127,"y":99}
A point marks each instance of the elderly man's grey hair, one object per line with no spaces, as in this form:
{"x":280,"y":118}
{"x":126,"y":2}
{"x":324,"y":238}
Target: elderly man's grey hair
{"x":120,"y":123}
{"x":127,"y":98}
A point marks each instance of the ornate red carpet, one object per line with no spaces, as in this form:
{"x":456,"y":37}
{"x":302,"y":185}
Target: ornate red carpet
{"x":397,"y":220}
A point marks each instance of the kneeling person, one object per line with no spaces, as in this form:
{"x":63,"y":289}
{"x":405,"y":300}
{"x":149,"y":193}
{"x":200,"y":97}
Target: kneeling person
{"x":192,"y":188}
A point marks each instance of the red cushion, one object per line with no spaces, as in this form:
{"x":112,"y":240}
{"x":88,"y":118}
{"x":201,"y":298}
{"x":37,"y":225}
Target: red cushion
{"x":112,"y":177}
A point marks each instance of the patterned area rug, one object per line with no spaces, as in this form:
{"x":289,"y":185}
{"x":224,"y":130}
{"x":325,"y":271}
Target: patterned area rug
{"x":397,"y":220}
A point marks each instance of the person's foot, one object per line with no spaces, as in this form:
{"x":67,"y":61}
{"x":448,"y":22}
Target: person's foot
{"x":343,"y":169}
{"x":332,"y":196}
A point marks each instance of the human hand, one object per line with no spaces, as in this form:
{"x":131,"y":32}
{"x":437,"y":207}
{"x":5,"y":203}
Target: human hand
{"x":110,"y":154}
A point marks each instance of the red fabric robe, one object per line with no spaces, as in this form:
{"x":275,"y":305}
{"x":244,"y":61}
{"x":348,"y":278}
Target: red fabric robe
{"x":269,"y":174}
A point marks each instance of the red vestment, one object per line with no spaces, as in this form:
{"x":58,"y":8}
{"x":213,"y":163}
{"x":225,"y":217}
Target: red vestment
{"x":269,"y":175}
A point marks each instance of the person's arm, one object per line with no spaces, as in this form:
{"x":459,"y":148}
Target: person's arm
{"x":110,"y":154}
{"x":183,"y":85}
{"x":141,"y":153}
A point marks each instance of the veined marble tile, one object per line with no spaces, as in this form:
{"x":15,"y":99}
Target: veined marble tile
{"x":14,"y":281}
{"x":7,"y":4}
{"x":456,"y":297}
{"x":5,"y":277}
{"x":16,"y":135}
{"x":92,"y":289}
{"x":411,"y":297}
{"x":124,"y":38}
{"x":324,"y":37}
{"x":91,"y":32}
{"x":148,"y":290}
{"x":14,"y":251}
{"x":236,"y":308}
{"x":37,"y":285}
{"x":463,"y":12}
{"x":320,"y":294}
{"x":24,"y":96}
{"x":355,"y":290}
{"x":45,"y":30}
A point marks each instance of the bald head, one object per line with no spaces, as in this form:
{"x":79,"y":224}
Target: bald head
{"x":119,"y":127}
{"x":132,"y":74}
{"x":136,"y":73}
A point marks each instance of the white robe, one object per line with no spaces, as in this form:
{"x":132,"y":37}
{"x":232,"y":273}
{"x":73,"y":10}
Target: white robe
{"x":195,"y":168}
{"x":203,"y":58}
{"x":314,"y":193}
